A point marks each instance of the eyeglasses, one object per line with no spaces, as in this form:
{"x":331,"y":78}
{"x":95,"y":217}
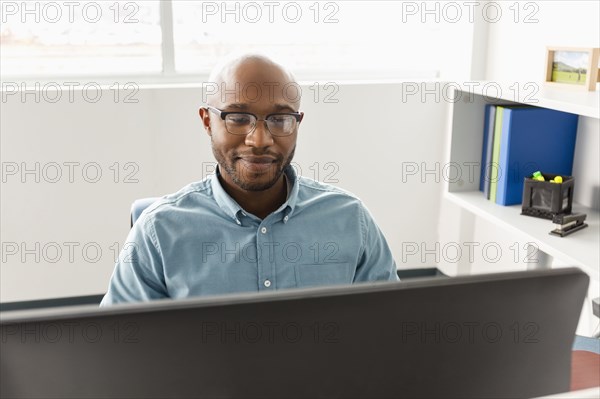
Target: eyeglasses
{"x":244,"y":123}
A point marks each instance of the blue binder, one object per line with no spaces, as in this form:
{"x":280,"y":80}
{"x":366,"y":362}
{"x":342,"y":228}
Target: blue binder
{"x":533,"y":139}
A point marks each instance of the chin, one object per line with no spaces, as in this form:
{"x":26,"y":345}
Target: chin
{"x":259,"y":184}
{"x":249,"y":181}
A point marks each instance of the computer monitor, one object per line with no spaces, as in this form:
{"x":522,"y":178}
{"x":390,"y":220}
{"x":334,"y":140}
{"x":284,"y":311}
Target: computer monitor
{"x":503,"y":335}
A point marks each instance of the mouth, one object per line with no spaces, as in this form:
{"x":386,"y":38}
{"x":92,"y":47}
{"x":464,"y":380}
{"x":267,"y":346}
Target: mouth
{"x":258,"y":160}
{"x":257,"y":164}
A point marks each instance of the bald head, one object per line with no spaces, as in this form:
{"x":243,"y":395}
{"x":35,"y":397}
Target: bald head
{"x":252,"y":77}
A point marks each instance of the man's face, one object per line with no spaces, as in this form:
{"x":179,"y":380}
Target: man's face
{"x":256,"y":161}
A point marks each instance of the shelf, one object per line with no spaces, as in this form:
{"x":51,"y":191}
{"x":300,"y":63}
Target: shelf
{"x":580,"y":249}
{"x":573,"y":100}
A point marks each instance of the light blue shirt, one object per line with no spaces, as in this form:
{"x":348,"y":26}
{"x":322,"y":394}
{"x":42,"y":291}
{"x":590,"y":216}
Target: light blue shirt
{"x":199,"y":241}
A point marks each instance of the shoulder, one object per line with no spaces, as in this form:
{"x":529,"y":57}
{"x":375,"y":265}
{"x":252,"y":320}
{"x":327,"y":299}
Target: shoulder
{"x":315,"y":187}
{"x":189,"y":196}
{"x":311,"y":190}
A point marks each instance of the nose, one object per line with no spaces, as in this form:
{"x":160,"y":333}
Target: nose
{"x":260,"y":137}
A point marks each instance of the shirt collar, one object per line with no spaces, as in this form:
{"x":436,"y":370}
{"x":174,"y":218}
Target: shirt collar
{"x":232,"y":208}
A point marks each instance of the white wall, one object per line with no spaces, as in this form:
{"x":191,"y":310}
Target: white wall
{"x":517,"y":51}
{"x":367,"y":134}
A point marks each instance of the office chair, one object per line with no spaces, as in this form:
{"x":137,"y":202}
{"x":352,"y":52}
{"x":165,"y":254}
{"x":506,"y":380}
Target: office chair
{"x":138,"y":206}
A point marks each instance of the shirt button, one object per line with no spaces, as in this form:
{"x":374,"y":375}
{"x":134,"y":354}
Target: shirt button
{"x":285,"y":219}
{"x":264,"y":231}
{"x":267,"y":283}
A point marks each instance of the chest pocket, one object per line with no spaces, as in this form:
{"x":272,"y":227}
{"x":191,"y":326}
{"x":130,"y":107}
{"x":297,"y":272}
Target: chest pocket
{"x":324,"y":274}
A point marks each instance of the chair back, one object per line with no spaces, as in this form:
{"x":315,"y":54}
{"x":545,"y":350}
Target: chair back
{"x":138,"y":207}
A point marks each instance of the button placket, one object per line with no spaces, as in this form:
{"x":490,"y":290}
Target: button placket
{"x":264,"y":265}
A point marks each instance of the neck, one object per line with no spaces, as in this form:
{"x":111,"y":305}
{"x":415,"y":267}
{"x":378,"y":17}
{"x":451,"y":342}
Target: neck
{"x":259,"y":203}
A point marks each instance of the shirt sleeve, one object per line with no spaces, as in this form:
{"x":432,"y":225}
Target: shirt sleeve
{"x":376,"y":262}
{"x":138,"y":274}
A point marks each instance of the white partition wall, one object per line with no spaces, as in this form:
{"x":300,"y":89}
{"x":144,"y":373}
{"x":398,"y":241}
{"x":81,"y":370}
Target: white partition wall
{"x":60,"y":233}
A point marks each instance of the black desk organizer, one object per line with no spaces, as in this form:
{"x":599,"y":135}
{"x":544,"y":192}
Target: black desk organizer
{"x":545,"y":200}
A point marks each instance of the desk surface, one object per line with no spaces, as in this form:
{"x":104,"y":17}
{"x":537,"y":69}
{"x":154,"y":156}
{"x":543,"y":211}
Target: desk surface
{"x":585,"y":365}
{"x":585,"y":370}
{"x":593,"y":393}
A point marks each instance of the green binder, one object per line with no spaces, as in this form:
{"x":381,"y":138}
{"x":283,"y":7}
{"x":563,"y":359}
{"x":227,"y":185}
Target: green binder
{"x":495,"y":167}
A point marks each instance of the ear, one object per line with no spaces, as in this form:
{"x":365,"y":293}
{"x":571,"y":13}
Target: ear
{"x":204,"y":116}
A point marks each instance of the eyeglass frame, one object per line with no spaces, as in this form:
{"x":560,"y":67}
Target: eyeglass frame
{"x":223,"y":114}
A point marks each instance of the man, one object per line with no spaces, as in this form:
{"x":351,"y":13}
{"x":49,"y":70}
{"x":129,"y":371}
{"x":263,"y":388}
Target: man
{"x":254,"y":225}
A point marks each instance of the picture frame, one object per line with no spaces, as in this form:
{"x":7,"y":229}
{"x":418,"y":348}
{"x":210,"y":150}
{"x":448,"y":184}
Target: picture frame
{"x":572,"y":67}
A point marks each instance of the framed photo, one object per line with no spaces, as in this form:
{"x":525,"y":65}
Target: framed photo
{"x":572,"y":67}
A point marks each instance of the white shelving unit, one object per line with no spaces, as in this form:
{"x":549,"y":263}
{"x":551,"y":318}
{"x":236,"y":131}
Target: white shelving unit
{"x":582,"y":248}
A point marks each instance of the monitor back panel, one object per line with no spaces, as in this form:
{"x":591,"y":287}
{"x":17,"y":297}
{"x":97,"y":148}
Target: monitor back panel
{"x":468,"y":337}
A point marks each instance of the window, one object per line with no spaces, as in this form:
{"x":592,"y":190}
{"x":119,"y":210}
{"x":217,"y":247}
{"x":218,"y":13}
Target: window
{"x":45,"y":38}
{"x":175,"y":39}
